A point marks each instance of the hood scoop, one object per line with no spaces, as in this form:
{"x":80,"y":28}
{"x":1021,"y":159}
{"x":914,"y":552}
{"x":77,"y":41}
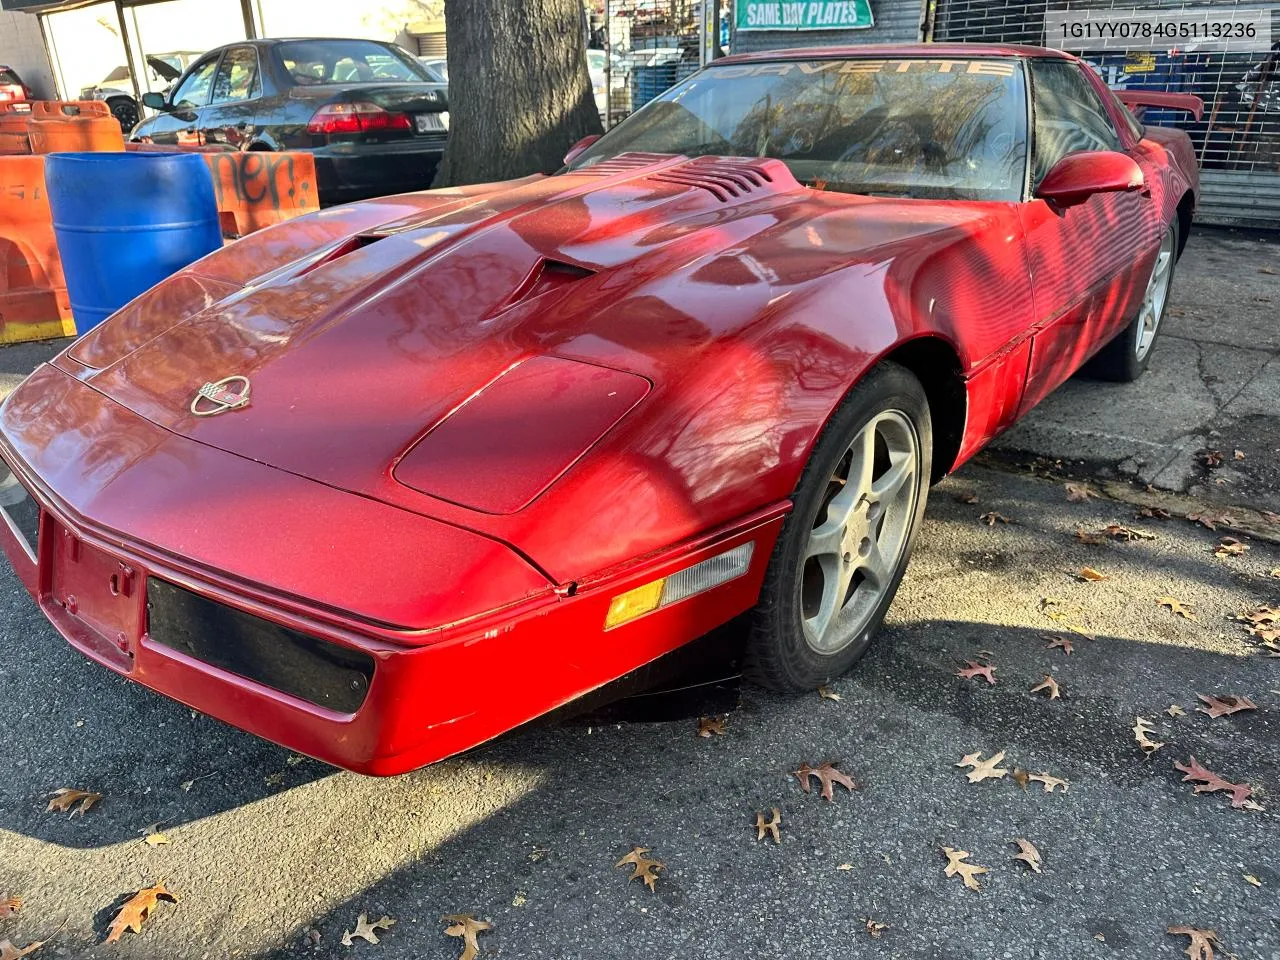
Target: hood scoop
{"x":625,"y":163}
{"x":730,"y":178}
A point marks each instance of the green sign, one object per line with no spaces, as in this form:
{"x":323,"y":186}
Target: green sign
{"x":803,"y":14}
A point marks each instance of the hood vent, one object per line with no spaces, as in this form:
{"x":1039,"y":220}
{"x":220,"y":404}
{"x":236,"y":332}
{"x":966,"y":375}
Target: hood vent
{"x":624,"y":163}
{"x":548,"y":275}
{"x":350,"y":245}
{"x":728,"y":178}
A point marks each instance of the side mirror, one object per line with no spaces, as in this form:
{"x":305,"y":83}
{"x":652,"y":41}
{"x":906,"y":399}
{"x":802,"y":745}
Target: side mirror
{"x":1078,"y":176}
{"x":155,"y":101}
{"x":577,"y":149}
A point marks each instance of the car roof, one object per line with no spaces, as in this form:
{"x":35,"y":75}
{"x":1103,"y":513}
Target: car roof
{"x":877,"y":50}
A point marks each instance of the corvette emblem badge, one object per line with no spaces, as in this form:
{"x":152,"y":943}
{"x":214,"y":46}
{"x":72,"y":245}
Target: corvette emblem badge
{"x":229,"y":393}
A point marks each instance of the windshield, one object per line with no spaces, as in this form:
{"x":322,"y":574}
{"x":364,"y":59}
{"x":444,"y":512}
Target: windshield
{"x":941,"y":129}
{"x":348,"y":61}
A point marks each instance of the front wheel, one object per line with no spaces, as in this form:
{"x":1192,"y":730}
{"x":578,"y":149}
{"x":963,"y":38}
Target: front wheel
{"x":1126,"y":357}
{"x":844,"y":548}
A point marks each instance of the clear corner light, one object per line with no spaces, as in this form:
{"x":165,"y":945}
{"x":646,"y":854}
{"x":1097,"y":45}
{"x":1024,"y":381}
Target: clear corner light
{"x":680,"y":585}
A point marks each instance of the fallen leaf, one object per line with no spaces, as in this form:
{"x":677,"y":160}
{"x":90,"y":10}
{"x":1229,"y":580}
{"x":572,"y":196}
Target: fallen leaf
{"x":826,"y":693}
{"x":1237,"y":455}
{"x":1078,"y":492}
{"x":763,"y":827}
{"x":973,"y":670}
{"x":9,"y":907}
{"x":136,"y":910}
{"x":1202,"y":941}
{"x":1224,"y":705}
{"x":992,"y":518}
{"x":1021,"y":777}
{"x":711,"y":726}
{"x":156,"y":839}
{"x":1049,"y":782}
{"x":366,"y":930}
{"x":1229,"y":547}
{"x":1211,"y":520}
{"x":1260,"y":615}
{"x":466,"y":926}
{"x":1093,"y":539}
{"x":1028,"y":853}
{"x":1060,"y":643}
{"x":1155,"y":513}
{"x":1091,"y":575}
{"x":1177,"y":608}
{"x":643,"y":868}
{"x":77,"y":801}
{"x":1141,"y":728}
{"x":1250,"y":879}
{"x":982,"y":769}
{"x":1211,"y":458}
{"x":1175,"y":711}
{"x":9,"y":952}
{"x":1049,"y":684}
{"x":968,"y":872}
{"x":875,"y":929}
{"x":845,"y":866}
{"x":1117,"y":532}
{"x":1210,"y":782}
{"x":827,"y":775}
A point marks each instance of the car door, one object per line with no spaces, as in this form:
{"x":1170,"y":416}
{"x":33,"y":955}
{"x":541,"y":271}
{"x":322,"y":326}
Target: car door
{"x":180,"y":123}
{"x":237,"y":88}
{"x":1085,"y":259}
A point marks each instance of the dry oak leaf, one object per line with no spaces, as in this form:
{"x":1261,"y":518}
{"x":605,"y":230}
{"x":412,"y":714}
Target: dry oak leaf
{"x":826,"y":693}
{"x":875,"y":928}
{"x":1021,"y":777}
{"x":972,"y":670}
{"x":1202,"y":941}
{"x":1061,"y":643}
{"x":1154,"y":513}
{"x":1211,"y":520}
{"x":9,"y":952}
{"x":1177,"y":608}
{"x":709,"y":726}
{"x":366,"y":930}
{"x":466,"y":926}
{"x":1028,"y":853}
{"x":1141,"y":728}
{"x":1090,"y":575}
{"x":992,"y":518}
{"x":1175,"y":711}
{"x":1224,"y":705}
{"x":1093,"y":539}
{"x":1229,"y":547}
{"x":968,"y":872}
{"x":136,"y":910}
{"x":77,"y":801}
{"x":9,"y":907}
{"x":982,"y":769}
{"x":1210,"y":782}
{"x":771,"y":826}
{"x":1078,"y":492}
{"x":1049,"y":684}
{"x":1260,"y":615}
{"x":1127,"y":534}
{"x":1048,"y":782}
{"x":827,"y":775}
{"x":643,"y":868}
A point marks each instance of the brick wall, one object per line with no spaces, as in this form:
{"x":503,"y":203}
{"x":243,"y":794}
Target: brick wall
{"x":22,"y":48}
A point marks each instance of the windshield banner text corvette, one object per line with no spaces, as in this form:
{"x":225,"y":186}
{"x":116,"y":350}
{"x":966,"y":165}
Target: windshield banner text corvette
{"x":803,"y":14}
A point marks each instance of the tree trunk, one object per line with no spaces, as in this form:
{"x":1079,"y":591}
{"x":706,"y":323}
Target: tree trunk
{"x":519,"y":92}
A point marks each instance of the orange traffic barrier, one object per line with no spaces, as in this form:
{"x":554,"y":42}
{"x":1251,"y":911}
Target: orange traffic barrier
{"x":58,"y":126}
{"x":13,"y":128}
{"x":261,"y":188}
{"x":33,"y":293}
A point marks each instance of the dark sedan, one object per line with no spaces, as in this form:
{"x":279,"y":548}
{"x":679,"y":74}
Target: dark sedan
{"x":366,"y":110}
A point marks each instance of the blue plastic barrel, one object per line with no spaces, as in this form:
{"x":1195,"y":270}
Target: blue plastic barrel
{"x":125,"y":221}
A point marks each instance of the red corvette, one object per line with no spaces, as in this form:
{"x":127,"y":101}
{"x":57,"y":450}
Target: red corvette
{"x":386,"y":481}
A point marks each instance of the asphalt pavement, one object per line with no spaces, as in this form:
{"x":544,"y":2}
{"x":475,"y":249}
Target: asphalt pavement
{"x":274,"y":856}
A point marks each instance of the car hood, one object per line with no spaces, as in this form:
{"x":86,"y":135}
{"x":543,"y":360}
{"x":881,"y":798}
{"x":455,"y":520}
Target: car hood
{"x":362,"y":329}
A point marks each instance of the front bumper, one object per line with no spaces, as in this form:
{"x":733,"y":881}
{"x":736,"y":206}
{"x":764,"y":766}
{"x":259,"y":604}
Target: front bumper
{"x":432,"y":693}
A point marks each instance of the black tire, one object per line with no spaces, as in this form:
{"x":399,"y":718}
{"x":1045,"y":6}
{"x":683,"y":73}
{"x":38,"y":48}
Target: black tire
{"x":1118,"y":361}
{"x":126,"y":113}
{"x":778,"y":656}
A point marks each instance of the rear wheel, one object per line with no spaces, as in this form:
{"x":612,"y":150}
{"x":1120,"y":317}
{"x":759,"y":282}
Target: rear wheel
{"x":126,"y":112}
{"x":1126,"y":357}
{"x":844,"y":547}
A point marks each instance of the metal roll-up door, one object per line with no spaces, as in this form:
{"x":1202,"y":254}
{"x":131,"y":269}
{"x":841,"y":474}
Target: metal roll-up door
{"x":895,"y":21}
{"x":431,"y":45}
{"x":1238,"y":139}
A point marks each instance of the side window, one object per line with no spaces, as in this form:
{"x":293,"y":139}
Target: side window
{"x":1069,"y":115}
{"x":237,"y":77}
{"x":194,"y":91}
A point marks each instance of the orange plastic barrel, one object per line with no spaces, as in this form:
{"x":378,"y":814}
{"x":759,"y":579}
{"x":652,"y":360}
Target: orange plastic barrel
{"x":74,"y":126}
{"x":14,"y":118}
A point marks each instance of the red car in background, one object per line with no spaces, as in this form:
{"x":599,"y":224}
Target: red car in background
{"x":386,"y":481}
{"x":12,"y":89}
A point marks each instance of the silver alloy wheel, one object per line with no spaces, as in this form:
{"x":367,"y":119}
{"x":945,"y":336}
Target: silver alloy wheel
{"x":1154,"y":299}
{"x":860,"y":532}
